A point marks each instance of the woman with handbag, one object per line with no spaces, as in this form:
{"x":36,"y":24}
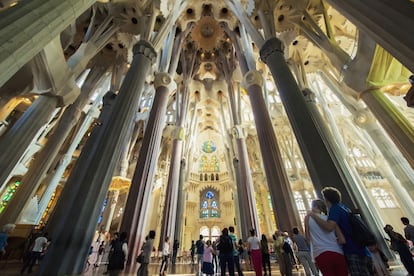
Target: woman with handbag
{"x":146,"y":253}
{"x":117,"y":257}
{"x":326,"y":247}
{"x":399,"y":244}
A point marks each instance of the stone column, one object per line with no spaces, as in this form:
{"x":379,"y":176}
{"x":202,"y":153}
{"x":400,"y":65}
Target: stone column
{"x":67,"y":158}
{"x":245,"y":192}
{"x":170,"y":203}
{"x":27,"y":28}
{"x":241,"y":203}
{"x":110,"y":209}
{"x":15,"y":142}
{"x":319,"y":162}
{"x":180,"y":203}
{"x":171,"y":196}
{"x":47,"y":154}
{"x":354,"y":183}
{"x":118,"y":184}
{"x":241,"y":200}
{"x":395,"y":124}
{"x":190,"y":148}
{"x":75,"y":216}
{"x":394,"y":167}
{"x":389,"y":23}
{"x":134,"y":219}
{"x":282,"y":198}
{"x":400,"y":168}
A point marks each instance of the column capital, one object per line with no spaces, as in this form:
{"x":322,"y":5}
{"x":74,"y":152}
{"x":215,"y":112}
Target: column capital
{"x":363,"y":117}
{"x":145,"y":48}
{"x":238,"y":132}
{"x":68,"y":93}
{"x":179,"y":133}
{"x":252,"y":77}
{"x":309,"y":95}
{"x":183,"y":162}
{"x":109,"y":98}
{"x":271,"y":46}
{"x":164,"y":79}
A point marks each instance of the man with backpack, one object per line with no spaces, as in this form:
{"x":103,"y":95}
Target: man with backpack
{"x":199,"y":251}
{"x":225,"y":247}
{"x":355,"y":254}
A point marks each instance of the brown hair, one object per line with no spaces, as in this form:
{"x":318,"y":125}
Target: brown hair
{"x":331,"y":194}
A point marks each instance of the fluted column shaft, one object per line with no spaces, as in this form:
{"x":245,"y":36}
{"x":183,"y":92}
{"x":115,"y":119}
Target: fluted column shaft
{"x":114,"y":200}
{"x":400,"y":168}
{"x":245,"y":185}
{"x":27,"y":28}
{"x":81,"y":201}
{"x":180,"y":203}
{"x":389,"y":23}
{"x":398,"y":172}
{"x":241,"y":201}
{"x":319,"y":162}
{"x":47,"y":154}
{"x":15,"y":142}
{"x":172,"y":188}
{"x":136,"y":208}
{"x":278,"y":183}
{"x":401,"y":183}
{"x":354,"y":182}
{"x":395,"y":124}
{"x":245,"y":192}
{"x":170,"y":203}
{"x":66,"y":159}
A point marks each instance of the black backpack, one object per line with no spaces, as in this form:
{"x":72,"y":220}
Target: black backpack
{"x":361,"y":234}
{"x":117,"y":256}
{"x":200,"y":247}
{"x":225,"y":244}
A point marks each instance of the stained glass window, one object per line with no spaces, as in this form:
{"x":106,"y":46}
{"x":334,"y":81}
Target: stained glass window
{"x":209,"y":205}
{"x":208,"y":147}
{"x":8,"y":195}
{"x":209,"y":164}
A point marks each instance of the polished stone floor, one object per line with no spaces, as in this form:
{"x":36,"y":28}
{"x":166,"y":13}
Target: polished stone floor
{"x":13,"y":268}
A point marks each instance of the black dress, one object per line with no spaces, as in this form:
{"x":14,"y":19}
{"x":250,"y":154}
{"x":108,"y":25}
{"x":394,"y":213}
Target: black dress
{"x":116,"y":256}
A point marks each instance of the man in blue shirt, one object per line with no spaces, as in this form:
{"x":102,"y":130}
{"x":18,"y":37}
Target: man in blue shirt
{"x":356,"y":257}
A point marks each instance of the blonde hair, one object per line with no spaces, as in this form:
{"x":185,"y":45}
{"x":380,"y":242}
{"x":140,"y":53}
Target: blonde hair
{"x":320,"y":204}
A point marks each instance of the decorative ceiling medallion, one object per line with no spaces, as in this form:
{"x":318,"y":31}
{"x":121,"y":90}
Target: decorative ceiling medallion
{"x":207,"y":33}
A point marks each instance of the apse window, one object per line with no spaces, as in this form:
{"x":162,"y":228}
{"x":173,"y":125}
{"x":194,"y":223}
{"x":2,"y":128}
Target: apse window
{"x":209,"y":204}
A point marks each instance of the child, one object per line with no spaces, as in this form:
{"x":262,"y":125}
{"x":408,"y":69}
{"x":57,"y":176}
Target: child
{"x":379,"y":261}
{"x":208,"y":259}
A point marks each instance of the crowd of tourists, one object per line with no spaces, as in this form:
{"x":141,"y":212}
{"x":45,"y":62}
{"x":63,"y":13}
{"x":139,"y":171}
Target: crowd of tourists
{"x":328,"y":246}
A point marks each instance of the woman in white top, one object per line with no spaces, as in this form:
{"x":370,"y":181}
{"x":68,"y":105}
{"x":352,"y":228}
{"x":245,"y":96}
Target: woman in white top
{"x":165,"y":254}
{"x":253,"y":246}
{"x":325,"y":246}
